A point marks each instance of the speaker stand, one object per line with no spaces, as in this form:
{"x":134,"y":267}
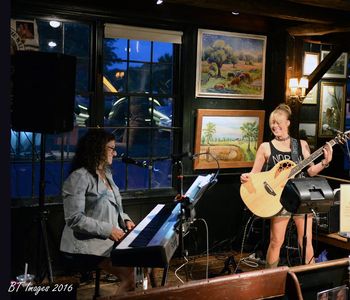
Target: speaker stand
{"x":304,"y":240}
{"x":42,"y":218}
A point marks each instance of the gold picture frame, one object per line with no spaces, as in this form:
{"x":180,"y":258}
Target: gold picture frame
{"x":229,"y":138}
{"x":230,"y":65}
{"x":332,"y":108}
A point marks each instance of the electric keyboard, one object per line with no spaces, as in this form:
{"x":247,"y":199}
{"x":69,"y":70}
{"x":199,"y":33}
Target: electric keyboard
{"x":152,"y":242}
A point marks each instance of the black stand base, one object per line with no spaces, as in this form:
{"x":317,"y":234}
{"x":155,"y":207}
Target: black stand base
{"x":230,"y":267}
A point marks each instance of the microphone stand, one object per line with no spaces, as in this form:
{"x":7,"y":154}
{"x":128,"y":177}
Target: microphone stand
{"x":187,"y":211}
{"x":43,"y":218}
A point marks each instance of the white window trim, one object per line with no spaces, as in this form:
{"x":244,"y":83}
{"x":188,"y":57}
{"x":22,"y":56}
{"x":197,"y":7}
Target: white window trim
{"x":142,"y":33}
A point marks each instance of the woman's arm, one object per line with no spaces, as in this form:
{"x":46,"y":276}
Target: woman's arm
{"x":314,"y":169}
{"x":259,"y":161}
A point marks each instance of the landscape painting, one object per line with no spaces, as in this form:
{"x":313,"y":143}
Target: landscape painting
{"x":338,"y":69}
{"x":230,"y":65}
{"x":332,"y":108}
{"x":227,"y":138}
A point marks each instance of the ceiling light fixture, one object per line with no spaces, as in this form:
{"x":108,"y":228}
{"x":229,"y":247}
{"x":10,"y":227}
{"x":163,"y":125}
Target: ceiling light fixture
{"x":159,"y":2}
{"x":52,"y":44}
{"x":55,"y":24}
{"x":235,"y":13}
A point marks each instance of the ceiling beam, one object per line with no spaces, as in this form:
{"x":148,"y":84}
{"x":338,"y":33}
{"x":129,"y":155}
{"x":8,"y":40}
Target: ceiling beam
{"x":273,"y":8}
{"x":311,"y":29}
{"x":334,"y":4}
{"x":325,"y":64}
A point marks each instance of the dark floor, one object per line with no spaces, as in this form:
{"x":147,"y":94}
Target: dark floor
{"x":196,"y":268}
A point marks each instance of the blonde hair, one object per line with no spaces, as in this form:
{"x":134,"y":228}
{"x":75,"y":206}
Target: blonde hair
{"x":281,"y":109}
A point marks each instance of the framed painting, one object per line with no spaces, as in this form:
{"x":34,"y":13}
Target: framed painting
{"x":311,"y":61}
{"x":311,"y":97}
{"x":230,"y":65}
{"x":307,"y":132}
{"x":338,"y":69}
{"x":228,"y":138}
{"x":332,"y":106}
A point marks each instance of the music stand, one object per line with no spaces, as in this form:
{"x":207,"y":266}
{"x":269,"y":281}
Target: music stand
{"x":188,"y":202}
{"x":307,"y":195}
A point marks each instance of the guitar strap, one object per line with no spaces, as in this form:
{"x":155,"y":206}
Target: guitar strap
{"x":294,"y":147}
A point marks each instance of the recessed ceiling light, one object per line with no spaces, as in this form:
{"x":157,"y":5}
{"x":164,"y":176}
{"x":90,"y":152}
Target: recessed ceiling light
{"x":235,"y":13}
{"x":159,"y":2}
{"x":55,"y":24}
{"x":52,"y":44}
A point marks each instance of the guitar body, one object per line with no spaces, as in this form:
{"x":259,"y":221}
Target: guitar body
{"x":262,"y":192}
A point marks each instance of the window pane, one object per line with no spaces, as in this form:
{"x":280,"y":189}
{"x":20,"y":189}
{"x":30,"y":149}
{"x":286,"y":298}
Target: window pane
{"x":161,"y":174}
{"x":140,"y":50}
{"x":162,"y":52}
{"x":47,"y":35}
{"x":115,"y":49}
{"x":81,"y":110}
{"x":137,"y":177}
{"x":114,"y":74}
{"x":163,"y":112}
{"x":77,"y":39}
{"x":162,"y":75}
{"x":139,"y":142}
{"x":139,"y":78}
{"x":118,"y":171}
{"x":82,"y":74}
{"x":162,"y":142}
{"x":24,"y":145}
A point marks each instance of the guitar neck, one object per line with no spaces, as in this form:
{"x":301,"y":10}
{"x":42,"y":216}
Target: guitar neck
{"x":300,"y":166}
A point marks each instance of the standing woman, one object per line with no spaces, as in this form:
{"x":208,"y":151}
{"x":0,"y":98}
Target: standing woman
{"x":93,"y":208}
{"x":270,"y":153}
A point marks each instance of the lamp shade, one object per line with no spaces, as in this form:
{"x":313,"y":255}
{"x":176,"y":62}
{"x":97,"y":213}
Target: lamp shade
{"x":304,"y":83}
{"x":293,"y":83}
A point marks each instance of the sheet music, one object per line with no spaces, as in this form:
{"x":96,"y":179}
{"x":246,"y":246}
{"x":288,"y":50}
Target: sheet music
{"x":200,"y":182}
{"x":345,"y":209}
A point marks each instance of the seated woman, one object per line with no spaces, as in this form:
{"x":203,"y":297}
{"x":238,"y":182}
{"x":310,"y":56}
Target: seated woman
{"x":93,"y":209}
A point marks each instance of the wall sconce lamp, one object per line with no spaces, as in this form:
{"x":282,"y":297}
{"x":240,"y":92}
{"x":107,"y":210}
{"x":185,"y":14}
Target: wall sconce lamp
{"x":298,"y":88}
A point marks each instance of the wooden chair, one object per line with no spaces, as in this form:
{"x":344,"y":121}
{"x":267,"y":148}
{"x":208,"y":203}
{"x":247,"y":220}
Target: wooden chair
{"x":250,"y":285}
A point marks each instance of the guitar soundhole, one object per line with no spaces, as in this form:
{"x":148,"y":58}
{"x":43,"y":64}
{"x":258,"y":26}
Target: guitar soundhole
{"x":285,"y":165}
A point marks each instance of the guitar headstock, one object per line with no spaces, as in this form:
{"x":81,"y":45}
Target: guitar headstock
{"x":342,"y":137}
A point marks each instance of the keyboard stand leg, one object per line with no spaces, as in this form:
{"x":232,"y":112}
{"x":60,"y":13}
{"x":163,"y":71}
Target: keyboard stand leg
{"x":165,"y":275}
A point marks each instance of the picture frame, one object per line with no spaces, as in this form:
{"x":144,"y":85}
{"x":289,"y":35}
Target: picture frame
{"x":339,"y":68}
{"x":332,"y":106}
{"x":227,"y":138}
{"x":311,"y":97}
{"x":308,"y":132}
{"x":230,"y":65}
{"x":311,"y":61}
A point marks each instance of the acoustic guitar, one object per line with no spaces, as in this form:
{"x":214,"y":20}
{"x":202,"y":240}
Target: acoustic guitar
{"x":262,"y":192}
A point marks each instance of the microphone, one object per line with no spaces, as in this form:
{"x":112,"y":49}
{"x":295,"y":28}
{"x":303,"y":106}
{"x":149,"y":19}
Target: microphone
{"x":129,"y":160}
{"x":327,"y":127}
{"x":179,"y":156}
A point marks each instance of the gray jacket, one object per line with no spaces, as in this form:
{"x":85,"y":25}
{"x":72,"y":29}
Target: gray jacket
{"x":90,"y":211}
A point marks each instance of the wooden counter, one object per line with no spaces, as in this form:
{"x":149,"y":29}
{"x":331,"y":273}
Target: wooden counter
{"x":333,"y":239}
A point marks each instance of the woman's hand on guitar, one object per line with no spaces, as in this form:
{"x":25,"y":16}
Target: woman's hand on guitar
{"x":244,"y":177}
{"x":328,"y":153}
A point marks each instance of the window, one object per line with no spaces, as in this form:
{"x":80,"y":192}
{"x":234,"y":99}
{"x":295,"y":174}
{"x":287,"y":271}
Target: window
{"x":138,"y":74}
{"x":138,"y":103}
{"x":69,"y":38}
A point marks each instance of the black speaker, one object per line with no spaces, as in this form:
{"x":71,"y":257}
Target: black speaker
{"x":302,"y":195}
{"x":43,"y":92}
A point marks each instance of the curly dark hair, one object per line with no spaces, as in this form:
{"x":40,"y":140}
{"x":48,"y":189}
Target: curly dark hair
{"x":91,"y":150}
